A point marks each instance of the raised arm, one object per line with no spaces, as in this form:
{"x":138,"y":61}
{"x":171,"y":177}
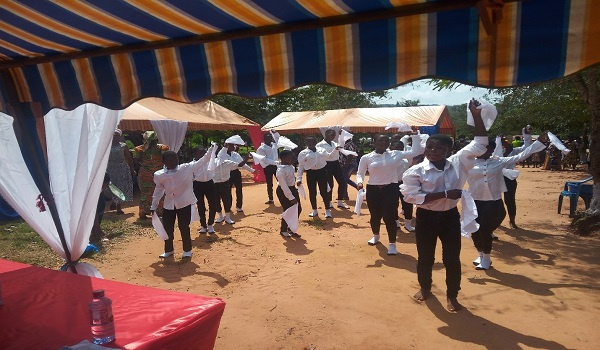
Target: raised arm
{"x":416,"y":149}
{"x":535,"y":147}
{"x":198,"y":164}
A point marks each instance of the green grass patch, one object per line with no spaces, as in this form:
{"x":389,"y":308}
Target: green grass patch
{"x":315,"y":222}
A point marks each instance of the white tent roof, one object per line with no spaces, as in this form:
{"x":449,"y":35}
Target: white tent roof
{"x":359,"y":119}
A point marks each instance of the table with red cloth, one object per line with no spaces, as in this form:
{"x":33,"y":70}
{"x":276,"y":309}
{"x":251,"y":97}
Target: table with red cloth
{"x":47,"y":309}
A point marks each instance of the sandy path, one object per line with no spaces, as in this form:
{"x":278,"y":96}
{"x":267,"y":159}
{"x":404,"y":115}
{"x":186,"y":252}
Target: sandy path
{"x":329,"y":290}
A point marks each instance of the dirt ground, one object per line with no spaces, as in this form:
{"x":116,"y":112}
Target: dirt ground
{"x":330,"y":290}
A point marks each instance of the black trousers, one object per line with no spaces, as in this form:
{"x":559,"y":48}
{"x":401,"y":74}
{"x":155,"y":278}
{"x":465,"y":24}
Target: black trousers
{"x":407,"y":208}
{"x":285,"y":204}
{"x":235,"y":180}
{"x":334,"y":170}
{"x":184,"y":216}
{"x":205,"y":190}
{"x":445,"y":225}
{"x":314,"y":178}
{"x":223,"y":193}
{"x":489,"y":216}
{"x":509,"y":198}
{"x":270,"y":171}
{"x":382,"y":202}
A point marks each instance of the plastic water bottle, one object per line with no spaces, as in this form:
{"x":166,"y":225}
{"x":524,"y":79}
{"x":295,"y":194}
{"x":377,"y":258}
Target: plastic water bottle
{"x":103,"y":327}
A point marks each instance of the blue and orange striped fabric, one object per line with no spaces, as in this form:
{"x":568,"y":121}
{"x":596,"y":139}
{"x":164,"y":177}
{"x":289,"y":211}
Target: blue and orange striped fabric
{"x":538,"y":40}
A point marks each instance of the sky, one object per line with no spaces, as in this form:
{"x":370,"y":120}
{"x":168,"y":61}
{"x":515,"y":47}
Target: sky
{"x":420,"y":90}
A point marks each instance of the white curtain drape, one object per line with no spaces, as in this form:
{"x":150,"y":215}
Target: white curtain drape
{"x":170,"y":132}
{"x":78,"y":145}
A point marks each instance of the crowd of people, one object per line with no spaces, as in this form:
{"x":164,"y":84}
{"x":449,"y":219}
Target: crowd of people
{"x":405,"y":170}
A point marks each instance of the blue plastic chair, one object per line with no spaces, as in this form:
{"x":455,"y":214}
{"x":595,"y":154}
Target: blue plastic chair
{"x":574,"y":190}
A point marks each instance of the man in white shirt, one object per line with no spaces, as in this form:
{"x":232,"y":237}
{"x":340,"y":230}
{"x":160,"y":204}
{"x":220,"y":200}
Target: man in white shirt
{"x":435,"y":186}
{"x":204,"y":188}
{"x":407,"y":208}
{"x":286,"y":191}
{"x":235,"y":177}
{"x":268,"y":149}
{"x":175,"y":182}
{"x":333,"y":167}
{"x":312,"y":160}
{"x":223,"y":168}
{"x":486,"y":185}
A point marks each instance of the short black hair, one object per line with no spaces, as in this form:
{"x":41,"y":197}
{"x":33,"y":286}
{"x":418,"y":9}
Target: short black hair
{"x":285,"y":153}
{"x":441,"y":138}
{"x":328,"y":131}
{"x":397,"y":142}
{"x":378,"y":136}
{"x":311,"y":137}
{"x":169,"y":154}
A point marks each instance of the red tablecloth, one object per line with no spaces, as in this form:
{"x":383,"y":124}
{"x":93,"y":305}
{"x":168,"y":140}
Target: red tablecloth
{"x":46,"y":309}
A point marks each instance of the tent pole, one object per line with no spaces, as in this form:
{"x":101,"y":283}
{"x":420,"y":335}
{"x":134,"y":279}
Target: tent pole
{"x":30,"y":145}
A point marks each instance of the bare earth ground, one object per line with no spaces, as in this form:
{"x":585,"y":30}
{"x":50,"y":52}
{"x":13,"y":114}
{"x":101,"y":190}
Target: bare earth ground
{"x":330,"y":290}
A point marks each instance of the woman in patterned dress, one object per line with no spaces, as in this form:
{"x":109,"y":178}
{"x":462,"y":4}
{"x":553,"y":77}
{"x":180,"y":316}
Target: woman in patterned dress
{"x":120,"y":169}
{"x":149,"y":155}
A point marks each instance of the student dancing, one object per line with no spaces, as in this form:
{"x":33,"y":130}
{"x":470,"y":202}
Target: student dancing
{"x":486,"y":184}
{"x":174,"y":181}
{"x":382,"y":188}
{"x":333,"y":167}
{"x":286,"y":191}
{"x":268,"y":149}
{"x":312,"y":160}
{"x":435,"y":186}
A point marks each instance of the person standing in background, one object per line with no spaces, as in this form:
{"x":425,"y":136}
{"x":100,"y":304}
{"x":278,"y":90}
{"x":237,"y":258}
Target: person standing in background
{"x":312,"y":160}
{"x":204,"y":188}
{"x":120,"y":169}
{"x":149,"y":156}
{"x":268,"y":149}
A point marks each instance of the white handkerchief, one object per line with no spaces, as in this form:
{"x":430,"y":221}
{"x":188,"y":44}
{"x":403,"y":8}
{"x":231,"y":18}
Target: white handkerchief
{"x":235,"y":140}
{"x":424,"y":138}
{"x":344,"y":137}
{"x":195,"y":214}
{"x":347,"y":152}
{"x":158,"y":226}
{"x":488,"y":114}
{"x":402,"y":127}
{"x":291,"y":217}
{"x":360,"y":196}
{"x":212,"y":163}
{"x":468,"y":224}
{"x":286,"y":143}
{"x":510,"y":173}
{"x":557,"y":143}
{"x":498,"y":150}
{"x":257,"y":157}
{"x":302,"y":191}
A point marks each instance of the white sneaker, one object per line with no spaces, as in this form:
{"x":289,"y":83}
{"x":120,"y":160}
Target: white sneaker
{"x":202,"y":230}
{"x":478,"y":259}
{"x":229,"y":221}
{"x":211,"y":229}
{"x":239,"y":210}
{"x":220,"y":219}
{"x":486,"y":262}
{"x":328,"y":214}
{"x":373,"y":240}
{"x":408,"y":226}
{"x":342,"y":205}
{"x":166,"y":254}
{"x":392,"y":249}
{"x":286,"y":234}
{"x":187,"y":254}
{"x":314,"y":213}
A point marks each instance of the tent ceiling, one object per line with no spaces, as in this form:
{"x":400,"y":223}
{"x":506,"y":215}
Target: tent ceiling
{"x":205,"y":115}
{"x":357,"y":119}
{"x":64,"y":53}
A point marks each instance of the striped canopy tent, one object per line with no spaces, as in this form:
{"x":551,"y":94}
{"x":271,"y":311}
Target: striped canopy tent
{"x":63,"y":53}
{"x":205,"y":115}
{"x":433,"y":119}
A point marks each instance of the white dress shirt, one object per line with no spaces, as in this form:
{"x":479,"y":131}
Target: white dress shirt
{"x":424,"y":178}
{"x":237,"y":158}
{"x":177,"y":184}
{"x":404,"y":165}
{"x":203,"y":174}
{"x":286,"y":179}
{"x":332,"y":153}
{"x":224,"y":166}
{"x":486,"y":182}
{"x":383,"y":168}
{"x":270,"y":154}
{"x":309,"y":160}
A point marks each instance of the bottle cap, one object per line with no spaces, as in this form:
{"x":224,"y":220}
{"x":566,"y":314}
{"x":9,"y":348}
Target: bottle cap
{"x":99,"y":293}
